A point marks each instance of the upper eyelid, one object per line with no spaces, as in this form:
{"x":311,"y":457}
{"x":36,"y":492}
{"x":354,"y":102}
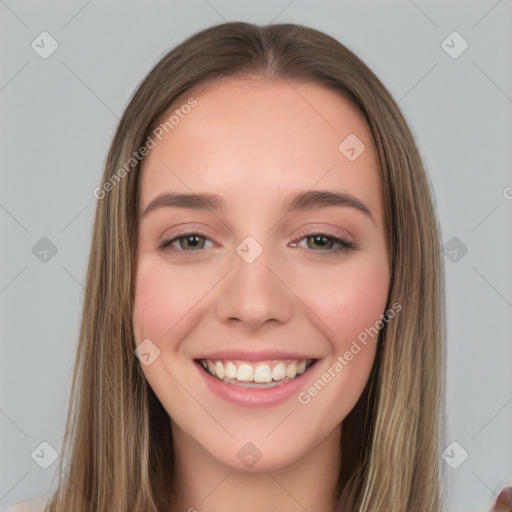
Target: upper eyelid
{"x":302,"y":234}
{"x":343,"y":233}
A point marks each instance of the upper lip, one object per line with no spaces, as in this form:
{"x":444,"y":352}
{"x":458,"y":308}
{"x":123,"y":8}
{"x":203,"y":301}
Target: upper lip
{"x":262,"y":355}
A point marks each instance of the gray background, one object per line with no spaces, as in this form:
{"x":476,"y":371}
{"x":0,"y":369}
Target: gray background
{"x":58,"y":116}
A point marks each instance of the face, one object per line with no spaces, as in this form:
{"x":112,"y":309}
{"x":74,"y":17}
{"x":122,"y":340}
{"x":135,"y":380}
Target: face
{"x":252,"y":306}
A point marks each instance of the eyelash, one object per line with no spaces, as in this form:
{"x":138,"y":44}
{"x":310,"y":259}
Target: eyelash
{"x":345,"y":245}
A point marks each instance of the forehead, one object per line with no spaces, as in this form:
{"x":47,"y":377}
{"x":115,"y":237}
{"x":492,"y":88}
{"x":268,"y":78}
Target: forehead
{"x":256,"y":138}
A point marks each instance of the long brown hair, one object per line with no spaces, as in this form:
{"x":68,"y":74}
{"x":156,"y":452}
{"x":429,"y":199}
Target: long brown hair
{"x":118,"y":449}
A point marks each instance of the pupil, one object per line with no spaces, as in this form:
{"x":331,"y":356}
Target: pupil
{"x":192,"y":239}
{"x":318,"y":239}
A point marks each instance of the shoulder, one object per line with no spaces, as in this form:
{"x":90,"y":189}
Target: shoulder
{"x":32,"y":505}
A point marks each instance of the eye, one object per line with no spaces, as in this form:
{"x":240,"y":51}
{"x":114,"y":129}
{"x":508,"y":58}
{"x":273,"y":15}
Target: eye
{"x":187,"y":242}
{"x":192,"y":243}
{"x":326,"y":243}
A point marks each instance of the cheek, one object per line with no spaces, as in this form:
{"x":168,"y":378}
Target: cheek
{"x":149,"y":305}
{"x":351,"y":300}
{"x":162,"y":300}
{"x":351,"y":308}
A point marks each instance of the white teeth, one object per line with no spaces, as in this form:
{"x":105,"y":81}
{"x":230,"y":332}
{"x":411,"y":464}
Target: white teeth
{"x":245,"y":372}
{"x":279,"y":371}
{"x":255,"y":372}
{"x":230,"y":369}
{"x":263,"y":373}
{"x":291,"y":371}
{"x":211,"y":367}
{"x":219,"y":369}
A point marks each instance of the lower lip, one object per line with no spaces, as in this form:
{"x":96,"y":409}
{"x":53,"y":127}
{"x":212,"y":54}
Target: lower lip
{"x":254,"y":397}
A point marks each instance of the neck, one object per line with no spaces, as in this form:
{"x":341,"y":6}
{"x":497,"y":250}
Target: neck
{"x":205,"y":484}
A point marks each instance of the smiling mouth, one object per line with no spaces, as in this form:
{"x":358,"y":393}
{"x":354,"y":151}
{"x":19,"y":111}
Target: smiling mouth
{"x":247,"y":374}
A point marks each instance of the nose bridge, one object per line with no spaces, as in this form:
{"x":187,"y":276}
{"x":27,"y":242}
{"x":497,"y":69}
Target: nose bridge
{"x":251,"y":292}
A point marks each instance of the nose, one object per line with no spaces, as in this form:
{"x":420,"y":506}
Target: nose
{"x":255,"y":294}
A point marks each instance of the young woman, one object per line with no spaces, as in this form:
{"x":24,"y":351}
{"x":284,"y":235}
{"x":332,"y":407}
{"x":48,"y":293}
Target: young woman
{"x":263,"y":321}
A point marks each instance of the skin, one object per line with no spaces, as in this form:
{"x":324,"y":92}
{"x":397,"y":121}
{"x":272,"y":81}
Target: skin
{"x":255,"y":143}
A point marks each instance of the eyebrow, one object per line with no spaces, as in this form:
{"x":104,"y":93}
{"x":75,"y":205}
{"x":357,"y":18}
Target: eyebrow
{"x":308,"y":200}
